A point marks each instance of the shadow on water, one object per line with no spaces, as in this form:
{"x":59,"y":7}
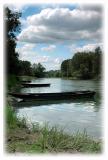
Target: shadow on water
{"x":28,"y":104}
{"x":74,"y":114}
{"x":60,"y":85}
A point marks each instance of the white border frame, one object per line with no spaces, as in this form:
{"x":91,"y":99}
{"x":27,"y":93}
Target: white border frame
{"x":104,"y":155}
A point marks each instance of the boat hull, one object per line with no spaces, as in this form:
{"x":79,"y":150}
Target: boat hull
{"x":35,"y":85}
{"x":54,"y":96}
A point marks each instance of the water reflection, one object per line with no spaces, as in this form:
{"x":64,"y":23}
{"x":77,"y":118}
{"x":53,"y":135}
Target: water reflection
{"x":74,"y":114}
{"x":90,"y":103}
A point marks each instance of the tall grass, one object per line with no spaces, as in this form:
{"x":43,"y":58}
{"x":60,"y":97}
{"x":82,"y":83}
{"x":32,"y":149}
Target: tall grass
{"x":12,"y":121}
{"x":52,"y":139}
{"x":55,"y":140}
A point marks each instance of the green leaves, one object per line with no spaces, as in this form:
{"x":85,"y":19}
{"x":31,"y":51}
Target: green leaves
{"x":83,"y":65}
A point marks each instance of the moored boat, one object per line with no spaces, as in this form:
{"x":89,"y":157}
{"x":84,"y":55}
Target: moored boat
{"x":25,"y":81}
{"x":35,"y":84}
{"x":54,"y":96}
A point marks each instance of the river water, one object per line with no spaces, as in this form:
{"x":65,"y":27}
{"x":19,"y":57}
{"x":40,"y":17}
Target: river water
{"x":72,"y":116}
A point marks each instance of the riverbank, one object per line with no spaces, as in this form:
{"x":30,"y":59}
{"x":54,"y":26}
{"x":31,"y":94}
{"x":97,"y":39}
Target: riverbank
{"x":14,"y":82}
{"x":77,"y":78}
{"x":45,"y":139}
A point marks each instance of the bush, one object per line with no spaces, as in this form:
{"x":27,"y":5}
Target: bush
{"x":12,"y":80}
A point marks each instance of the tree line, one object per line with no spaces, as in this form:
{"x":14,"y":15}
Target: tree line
{"x":15,"y":66}
{"x":83,"y":65}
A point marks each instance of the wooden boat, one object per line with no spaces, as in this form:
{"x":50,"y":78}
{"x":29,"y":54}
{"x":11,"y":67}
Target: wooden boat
{"x":35,"y":85}
{"x":25,"y":81}
{"x":54,"y":96}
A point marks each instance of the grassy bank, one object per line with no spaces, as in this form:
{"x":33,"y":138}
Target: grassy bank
{"x":12,"y":82}
{"x":44,"y":139}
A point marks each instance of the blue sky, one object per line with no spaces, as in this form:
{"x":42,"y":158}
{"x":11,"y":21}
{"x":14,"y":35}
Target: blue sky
{"x":51,"y":33}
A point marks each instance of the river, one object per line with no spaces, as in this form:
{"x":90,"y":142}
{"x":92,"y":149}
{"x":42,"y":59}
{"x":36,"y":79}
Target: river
{"x":72,"y":116}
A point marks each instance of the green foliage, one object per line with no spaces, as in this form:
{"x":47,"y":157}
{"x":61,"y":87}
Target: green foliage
{"x":12,"y":81}
{"x":12,"y":22}
{"x":38,"y":70}
{"x":66,"y":68}
{"x":53,"y":139}
{"x":14,"y":65}
{"x":83,"y":65}
{"x":12,"y":121}
{"x":53,"y":73}
{"x":46,"y":138}
{"x":13,"y":25}
{"x":25,"y":68}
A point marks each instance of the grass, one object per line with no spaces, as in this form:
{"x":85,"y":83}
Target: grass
{"x":45,"y":139}
{"x":12,"y":120}
{"x":12,"y":81}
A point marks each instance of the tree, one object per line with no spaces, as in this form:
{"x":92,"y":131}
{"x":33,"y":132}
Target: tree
{"x":12,"y":28}
{"x":38,"y":70}
{"x":53,"y":73}
{"x":66,"y":68}
{"x":25,"y":68}
{"x":83,"y":65}
{"x":97,"y":61}
{"x":84,"y":71}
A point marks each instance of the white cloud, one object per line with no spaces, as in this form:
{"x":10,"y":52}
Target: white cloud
{"x":28,"y":46}
{"x":50,"y":48}
{"x":62,"y":24}
{"x":57,"y":60}
{"x":42,"y":59}
{"x":26,"y":52}
{"x":17,"y":7}
{"x":90,"y":7}
{"x":53,"y":63}
{"x":26,"y":49}
{"x":88,"y":47}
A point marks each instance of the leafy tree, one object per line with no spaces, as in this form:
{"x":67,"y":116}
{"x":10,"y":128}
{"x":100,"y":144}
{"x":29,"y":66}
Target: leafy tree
{"x":12,"y":28}
{"x":83,"y":65}
{"x":25,"y":68}
{"x":66,"y":68}
{"x":97,"y":61}
{"x":38,"y":70}
{"x":84,"y":71}
{"x":53,"y":73}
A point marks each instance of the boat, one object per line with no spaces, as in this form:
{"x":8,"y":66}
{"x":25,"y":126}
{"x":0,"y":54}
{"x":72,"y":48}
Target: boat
{"x":35,"y":84}
{"x":25,"y":81}
{"x":54,"y":96}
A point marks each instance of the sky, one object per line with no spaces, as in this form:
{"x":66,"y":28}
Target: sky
{"x":51,"y":33}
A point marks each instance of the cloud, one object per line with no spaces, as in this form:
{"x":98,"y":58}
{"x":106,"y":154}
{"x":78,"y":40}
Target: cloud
{"x":57,"y":61}
{"x":93,"y":7}
{"x":88,"y":47}
{"x":50,"y":48}
{"x":42,"y":59}
{"x":25,"y":49}
{"x":53,"y":25}
{"x":26,"y":52}
{"x":18,"y":7}
{"x":53,"y":63}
